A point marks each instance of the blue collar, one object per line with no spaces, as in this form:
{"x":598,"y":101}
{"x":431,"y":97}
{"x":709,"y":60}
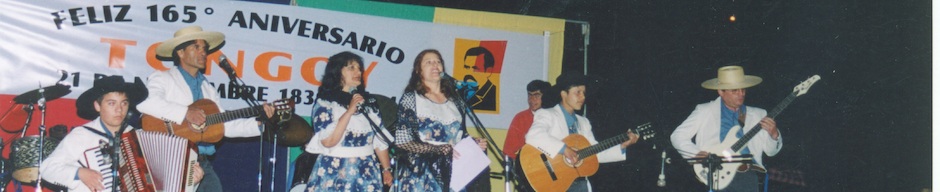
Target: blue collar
{"x":193,"y":82}
{"x":571,"y":119}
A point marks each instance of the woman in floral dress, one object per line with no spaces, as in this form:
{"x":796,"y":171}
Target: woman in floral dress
{"x":353,"y":157}
{"x":430,"y":123}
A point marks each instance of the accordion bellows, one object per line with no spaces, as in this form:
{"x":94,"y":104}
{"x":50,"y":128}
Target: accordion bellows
{"x":150,"y":161}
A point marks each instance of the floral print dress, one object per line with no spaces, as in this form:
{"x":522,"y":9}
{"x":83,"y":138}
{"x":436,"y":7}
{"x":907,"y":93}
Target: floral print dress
{"x":434,"y":124}
{"x":350,"y":165}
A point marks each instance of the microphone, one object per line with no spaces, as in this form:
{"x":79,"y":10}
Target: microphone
{"x":227,"y":66}
{"x":459,"y":88}
{"x":459,"y":85}
{"x":368,"y":101}
{"x":445,"y":76}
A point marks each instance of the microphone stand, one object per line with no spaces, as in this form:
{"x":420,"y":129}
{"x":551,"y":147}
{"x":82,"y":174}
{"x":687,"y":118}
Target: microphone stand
{"x":493,"y":148}
{"x":713,"y":162}
{"x":235,"y":81}
{"x":115,"y":155}
{"x":376,"y":127}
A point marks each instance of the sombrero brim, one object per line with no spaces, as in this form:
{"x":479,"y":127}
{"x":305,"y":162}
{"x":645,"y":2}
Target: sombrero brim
{"x":214,"y":39}
{"x":136,"y":92}
{"x":749,"y":81}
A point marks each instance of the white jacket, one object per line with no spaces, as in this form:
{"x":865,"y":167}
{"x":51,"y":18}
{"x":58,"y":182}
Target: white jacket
{"x":705,"y":125}
{"x":549,"y":128}
{"x":62,"y":165}
{"x":170,"y":98}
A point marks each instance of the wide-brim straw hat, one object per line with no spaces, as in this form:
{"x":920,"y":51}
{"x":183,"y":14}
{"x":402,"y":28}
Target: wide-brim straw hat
{"x":731,"y":77}
{"x":214,"y":39}
{"x":136,"y":92}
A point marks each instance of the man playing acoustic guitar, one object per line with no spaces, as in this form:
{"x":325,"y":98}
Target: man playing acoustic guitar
{"x":172,"y":91}
{"x":554,"y":124}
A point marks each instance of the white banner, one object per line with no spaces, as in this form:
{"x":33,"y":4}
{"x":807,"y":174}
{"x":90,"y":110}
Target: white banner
{"x":278,"y":50}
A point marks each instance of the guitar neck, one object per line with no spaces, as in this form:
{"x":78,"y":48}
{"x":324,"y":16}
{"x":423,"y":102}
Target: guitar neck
{"x":234,"y":114}
{"x":772,"y":114}
{"x":603,"y":145}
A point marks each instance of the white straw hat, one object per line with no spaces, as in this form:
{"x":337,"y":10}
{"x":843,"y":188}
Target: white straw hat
{"x":731,"y":77}
{"x":214,"y":39}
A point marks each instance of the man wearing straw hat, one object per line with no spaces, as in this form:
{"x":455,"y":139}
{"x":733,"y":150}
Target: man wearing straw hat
{"x":710,"y":122}
{"x":106,"y":105}
{"x":172,"y":91}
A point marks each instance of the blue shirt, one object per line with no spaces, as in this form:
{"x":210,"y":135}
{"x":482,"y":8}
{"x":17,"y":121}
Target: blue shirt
{"x":195,"y":88}
{"x":729,"y":118}
{"x":193,"y":82}
{"x":572,"y":121}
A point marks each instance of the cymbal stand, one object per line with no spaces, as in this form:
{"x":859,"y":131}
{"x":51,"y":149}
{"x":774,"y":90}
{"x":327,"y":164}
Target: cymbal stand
{"x":713,"y":162}
{"x":42,"y":135}
{"x":29,"y":118}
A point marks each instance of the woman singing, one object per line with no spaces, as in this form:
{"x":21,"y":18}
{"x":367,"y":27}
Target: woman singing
{"x":431,"y":121}
{"x":353,"y":156}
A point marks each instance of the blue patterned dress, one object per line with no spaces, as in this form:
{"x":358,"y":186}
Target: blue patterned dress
{"x":434,"y":124}
{"x":350,"y":165}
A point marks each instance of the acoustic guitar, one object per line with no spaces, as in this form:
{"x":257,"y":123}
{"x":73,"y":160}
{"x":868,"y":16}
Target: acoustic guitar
{"x":557,"y":174}
{"x":213,"y":129}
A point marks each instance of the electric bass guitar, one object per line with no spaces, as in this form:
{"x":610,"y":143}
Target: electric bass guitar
{"x":557,"y":174}
{"x":732,"y":145}
{"x":213,"y":129}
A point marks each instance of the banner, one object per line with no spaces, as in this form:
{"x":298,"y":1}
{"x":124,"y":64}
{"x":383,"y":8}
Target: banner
{"x":279,"y":51}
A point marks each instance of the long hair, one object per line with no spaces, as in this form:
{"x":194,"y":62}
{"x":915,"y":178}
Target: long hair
{"x":416,"y":84}
{"x":332,"y":81}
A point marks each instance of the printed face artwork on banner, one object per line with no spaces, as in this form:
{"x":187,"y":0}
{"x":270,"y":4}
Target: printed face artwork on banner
{"x":478,"y":66}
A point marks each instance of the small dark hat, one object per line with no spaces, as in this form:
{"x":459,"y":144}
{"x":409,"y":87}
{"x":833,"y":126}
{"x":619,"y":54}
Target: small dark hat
{"x":136,"y":92}
{"x":568,"y":79}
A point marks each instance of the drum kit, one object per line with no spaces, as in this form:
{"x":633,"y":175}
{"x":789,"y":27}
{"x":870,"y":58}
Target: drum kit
{"x":27,"y":152}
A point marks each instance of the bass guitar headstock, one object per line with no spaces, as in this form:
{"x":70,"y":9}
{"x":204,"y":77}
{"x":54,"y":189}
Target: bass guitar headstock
{"x":803,"y":87}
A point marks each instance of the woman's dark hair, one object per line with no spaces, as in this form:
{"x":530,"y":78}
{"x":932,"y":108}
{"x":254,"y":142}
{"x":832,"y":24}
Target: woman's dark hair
{"x":417,"y":85}
{"x":333,"y":75}
{"x":331,"y":87}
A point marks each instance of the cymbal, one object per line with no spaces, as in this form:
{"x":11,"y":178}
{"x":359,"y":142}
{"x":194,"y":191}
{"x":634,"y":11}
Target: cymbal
{"x":51,"y":93}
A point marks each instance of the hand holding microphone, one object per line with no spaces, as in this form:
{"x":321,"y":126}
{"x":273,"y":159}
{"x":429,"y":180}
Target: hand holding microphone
{"x":366,"y":102}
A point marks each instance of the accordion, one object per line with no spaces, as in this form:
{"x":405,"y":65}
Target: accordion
{"x":149,"y":161}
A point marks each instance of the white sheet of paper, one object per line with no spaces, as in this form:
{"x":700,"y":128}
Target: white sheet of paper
{"x":471,"y":162}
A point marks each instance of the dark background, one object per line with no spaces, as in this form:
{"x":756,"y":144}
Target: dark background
{"x":866,"y":126}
